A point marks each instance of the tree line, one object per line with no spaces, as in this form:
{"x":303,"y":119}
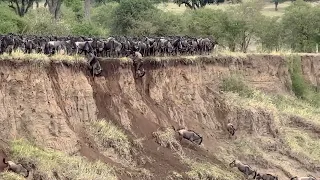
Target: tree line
{"x":234,"y":27}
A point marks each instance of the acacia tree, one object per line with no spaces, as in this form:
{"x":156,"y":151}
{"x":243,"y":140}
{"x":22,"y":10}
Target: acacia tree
{"x":21,"y":7}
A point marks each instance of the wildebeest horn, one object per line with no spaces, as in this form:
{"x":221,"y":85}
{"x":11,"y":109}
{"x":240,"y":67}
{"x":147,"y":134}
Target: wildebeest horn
{"x":232,"y":162}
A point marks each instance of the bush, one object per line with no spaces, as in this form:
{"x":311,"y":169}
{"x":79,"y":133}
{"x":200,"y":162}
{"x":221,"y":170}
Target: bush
{"x":40,"y":22}
{"x":207,"y":22}
{"x":102,"y":15}
{"x":10,"y":22}
{"x":301,"y":24}
{"x":88,"y":29}
{"x":128,"y":12}
{"x":271,"y":39}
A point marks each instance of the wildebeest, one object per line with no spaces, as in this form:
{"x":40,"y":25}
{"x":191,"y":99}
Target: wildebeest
{"x":94,"y":64}
{"x":266,"y":177}
{"x":115,"y":46}
{"x":189,"y":135}
{"x":17,"y":168}
{"x":231,"y":129}
{"x":303,"y":178}
{"x":137,"y":64}
{"x":244,"y":168}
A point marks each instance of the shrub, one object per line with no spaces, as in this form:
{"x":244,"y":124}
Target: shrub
{"x":127,"y":13}
{"x":10,"y":22}
{"x":88,"y":29}
{"x":102,"y":15}
{"x":301,"y":24}
{"x":41,"y":22}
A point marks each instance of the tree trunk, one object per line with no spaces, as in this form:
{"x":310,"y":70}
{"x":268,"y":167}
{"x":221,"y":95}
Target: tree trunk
{"x":21,"y":9}
{"x":54,"y":7}
{"x":87,"y":5}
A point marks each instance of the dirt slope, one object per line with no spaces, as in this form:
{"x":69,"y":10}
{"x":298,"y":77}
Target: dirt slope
{"x":51,"y":104}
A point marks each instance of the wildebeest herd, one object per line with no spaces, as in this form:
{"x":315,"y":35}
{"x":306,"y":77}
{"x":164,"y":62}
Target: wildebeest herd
{"x":116,"y":46}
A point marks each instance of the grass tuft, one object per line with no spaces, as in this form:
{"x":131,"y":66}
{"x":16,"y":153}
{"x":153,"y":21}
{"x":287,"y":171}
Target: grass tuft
{"x":50,"y":163}
{"x":107,"y":135}
{"x":167,"y":139}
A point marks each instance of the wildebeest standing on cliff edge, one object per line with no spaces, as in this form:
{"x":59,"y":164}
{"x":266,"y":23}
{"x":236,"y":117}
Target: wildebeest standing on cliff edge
{"x":117,"y":46}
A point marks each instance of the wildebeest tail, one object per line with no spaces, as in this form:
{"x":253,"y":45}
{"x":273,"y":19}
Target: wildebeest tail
{"x":4,"y":161}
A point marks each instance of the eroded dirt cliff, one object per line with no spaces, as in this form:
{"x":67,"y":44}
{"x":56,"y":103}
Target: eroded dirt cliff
{"x":52,"y":104}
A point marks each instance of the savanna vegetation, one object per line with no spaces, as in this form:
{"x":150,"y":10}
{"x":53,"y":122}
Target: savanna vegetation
{"x":235,"y":26}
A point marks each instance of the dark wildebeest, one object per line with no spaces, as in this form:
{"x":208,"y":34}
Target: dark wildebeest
{"x":231,"y":129}
{"x":17,"y":168}
{"x":137,"y":64}
{"x":266,"y":177}
{"x":94,"y":64}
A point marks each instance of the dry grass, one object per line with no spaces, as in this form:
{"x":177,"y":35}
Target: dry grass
{"x":167,"y":139}
{"x":75,"y":59}
{"x":278,"y":104}
{"x":48,"y":161}
{"x":204,"y":170}
{"x":301,"y":142}
{"x":18,"y":55}
{"x":10,"y":176}
{"x":107,"y":136}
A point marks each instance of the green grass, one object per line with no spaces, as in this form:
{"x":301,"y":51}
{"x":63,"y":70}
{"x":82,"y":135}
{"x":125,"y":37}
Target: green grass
{"x":301,"y":88}
{"x":48,"y":161}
